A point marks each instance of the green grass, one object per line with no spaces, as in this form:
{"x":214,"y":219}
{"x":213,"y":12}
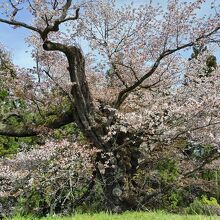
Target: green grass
{"x":126,"y":216}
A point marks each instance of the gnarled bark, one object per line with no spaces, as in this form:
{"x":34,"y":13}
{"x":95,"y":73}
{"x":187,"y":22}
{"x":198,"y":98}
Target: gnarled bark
{"x":83,"y":114}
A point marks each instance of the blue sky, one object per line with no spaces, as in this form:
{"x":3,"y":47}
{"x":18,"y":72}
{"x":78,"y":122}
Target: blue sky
{"x":14,"y":39}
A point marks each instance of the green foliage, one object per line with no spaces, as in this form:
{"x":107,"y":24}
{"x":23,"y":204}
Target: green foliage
{"x":174,"y":199}
{"x":211,"y":61}
{"x":168,"y":170}
{"x":10,"y":145}
{"x":199,"y":151}
{"x":67,"y":131}
{"x":3,"y":94}
{"x":95,"y":202}
{"x":205,"y":206}
{"x":34,"y":202}
{"x":210,"y":64}
{"x":41,"y":200}
{"x":198,"y":49}
{"x":211,"y":175}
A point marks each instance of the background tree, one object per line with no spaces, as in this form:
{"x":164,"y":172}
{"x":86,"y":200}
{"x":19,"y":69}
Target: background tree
{"x":211,"y":61}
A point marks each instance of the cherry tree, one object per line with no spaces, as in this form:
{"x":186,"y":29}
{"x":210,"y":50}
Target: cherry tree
{"x":126,"y":95}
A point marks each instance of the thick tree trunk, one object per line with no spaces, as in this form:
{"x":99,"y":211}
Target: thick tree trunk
{"x":117,"y":169}
{"x":119,"y":163}
{"x":84,"y":113}
{"x":83,"y":109}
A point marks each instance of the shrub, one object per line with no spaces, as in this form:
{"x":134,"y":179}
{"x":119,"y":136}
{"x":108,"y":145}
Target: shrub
{"x":168,"y":170}
{"x":204,"y":206}
{"x":47,"y":179}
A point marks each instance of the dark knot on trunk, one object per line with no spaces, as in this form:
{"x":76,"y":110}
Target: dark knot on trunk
{"x":46,"y":45}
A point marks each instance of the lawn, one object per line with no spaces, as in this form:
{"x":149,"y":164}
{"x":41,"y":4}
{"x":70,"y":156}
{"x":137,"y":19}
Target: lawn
{"x":127,"y":216}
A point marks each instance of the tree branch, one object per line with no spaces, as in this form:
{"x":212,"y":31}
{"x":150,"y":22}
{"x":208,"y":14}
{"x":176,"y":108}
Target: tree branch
{"x":124,"y":93}
{"x":60,"y":20}
{"x":21,"y":24}
{"x":29,"y":130}
{"x":49,"y":28}
{"x":206,"y":161}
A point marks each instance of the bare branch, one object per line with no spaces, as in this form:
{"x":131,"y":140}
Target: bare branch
{"x":32,"y":8}
{"x":20,"y":24}
{"x":64,"y":90}
{"x":118,"y":75}
{"x":65,"y":9}
{"x":206,"y":161}
{"x":60,"y":20}
{"x":11,"y":114}
{"x":14,"y":13}
{"x":124,"y":93}
{"x":195,"y":129}
{"x":55,"y":4}
{"x":49,"y":28}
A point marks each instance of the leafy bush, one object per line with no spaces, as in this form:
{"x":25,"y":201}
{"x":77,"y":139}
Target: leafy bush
{"x":47,"y":179}
{"x":204,"y":206}
{"x":168,"y":170}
